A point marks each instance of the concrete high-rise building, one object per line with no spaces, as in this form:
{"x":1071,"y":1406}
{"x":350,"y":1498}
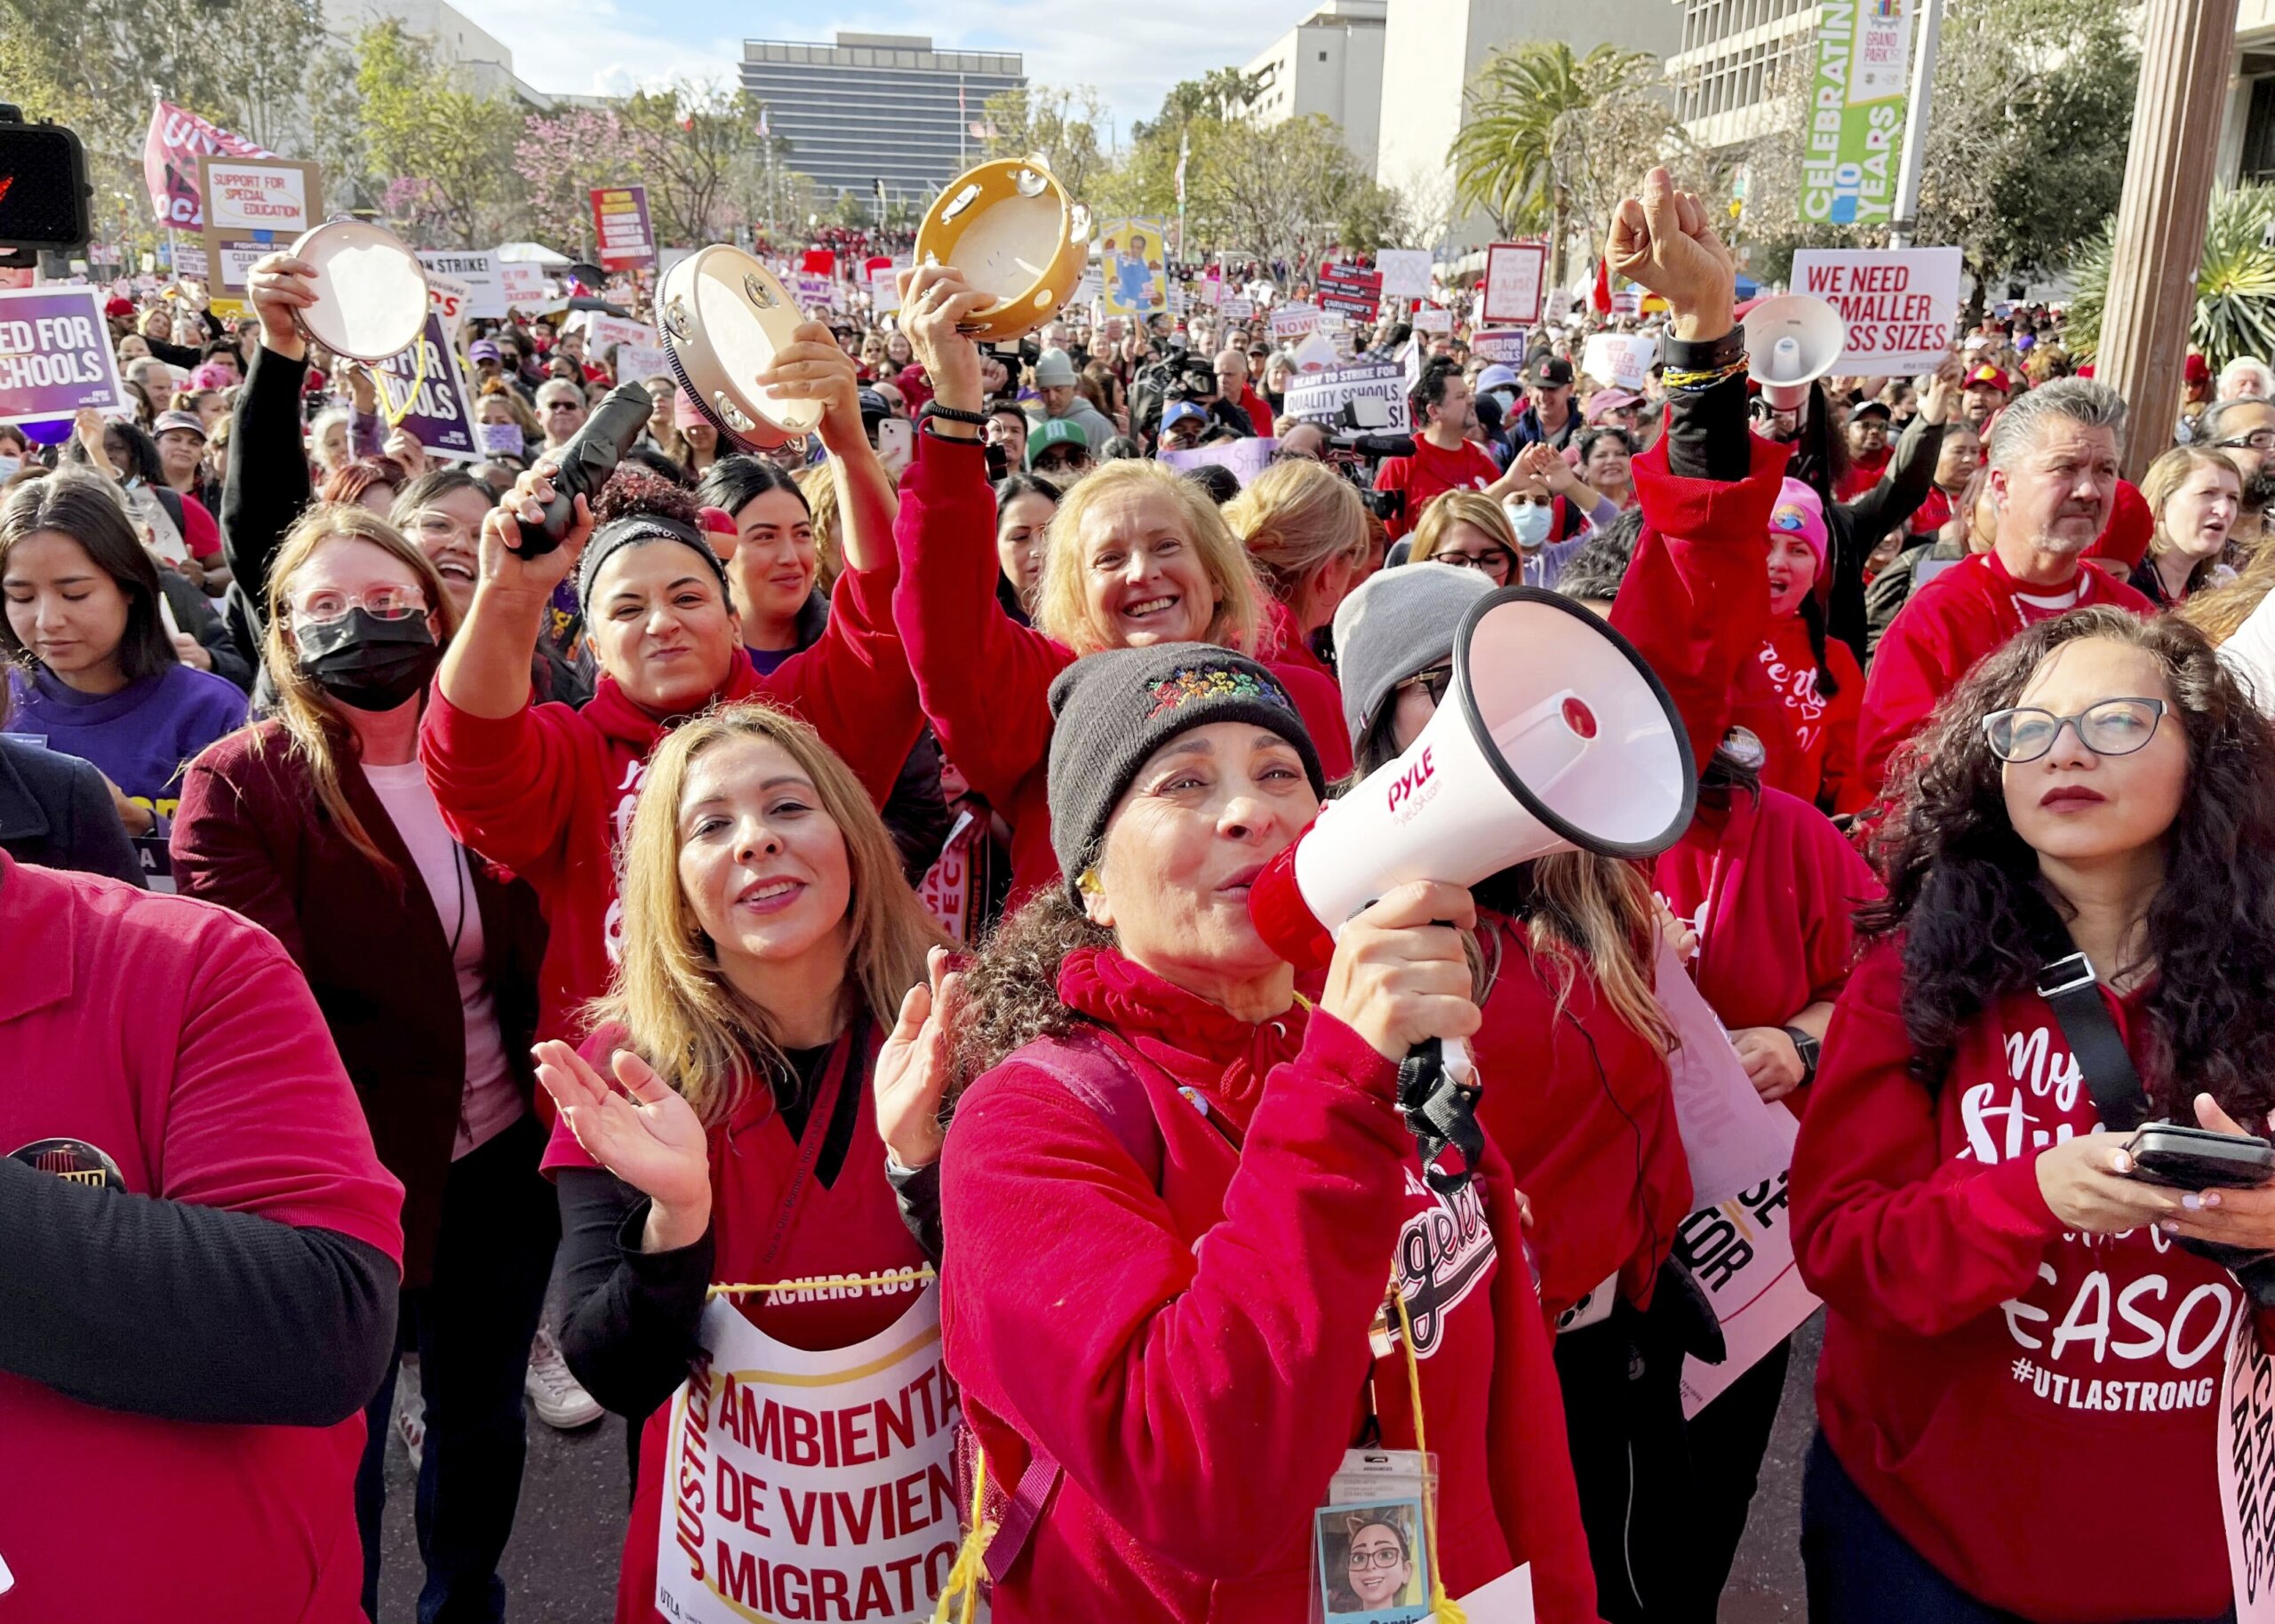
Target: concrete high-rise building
{"x":483,"y":63}
{"x":877,"y":107}
{"x":1432,"y":47}
{"x":1733,"y":75}
{"x":1331,"y":64}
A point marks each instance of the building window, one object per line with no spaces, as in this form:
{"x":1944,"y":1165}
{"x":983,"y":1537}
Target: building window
{"x":2259,"y":133}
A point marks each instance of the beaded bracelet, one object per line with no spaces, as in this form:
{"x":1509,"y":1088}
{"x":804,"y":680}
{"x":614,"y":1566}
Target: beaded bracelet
{"x":1705,"y":379}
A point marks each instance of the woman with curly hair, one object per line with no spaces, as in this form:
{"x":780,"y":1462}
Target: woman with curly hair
{"x":2014,"y":1319}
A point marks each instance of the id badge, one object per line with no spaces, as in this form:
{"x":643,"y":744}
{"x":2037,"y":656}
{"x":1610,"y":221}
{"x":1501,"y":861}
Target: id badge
{"x":1370,"y":1550}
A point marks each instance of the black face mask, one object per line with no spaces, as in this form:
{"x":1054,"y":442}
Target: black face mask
{"x":370,"y":663}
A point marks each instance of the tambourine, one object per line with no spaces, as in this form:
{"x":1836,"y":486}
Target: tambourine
{"x":371,"y":291}
{"x":723,"y":317}
{"x":1011,"y":229}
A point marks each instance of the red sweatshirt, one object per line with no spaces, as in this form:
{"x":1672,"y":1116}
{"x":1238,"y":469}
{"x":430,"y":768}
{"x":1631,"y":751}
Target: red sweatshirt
{"x":1429,"y":474}
{"x":1954,"y":620}
{"x":1770,"y":887}
{"x":2032,"y":1410}
{"x":1820,"y":766}
{"x":985,"y":680}
{"x":1578,"y":1101}
{"x":1209,"y":1339}
{"x":549,"y":791}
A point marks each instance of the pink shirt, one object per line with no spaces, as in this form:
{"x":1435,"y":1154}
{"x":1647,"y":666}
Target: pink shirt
{"x":180,"y":1040}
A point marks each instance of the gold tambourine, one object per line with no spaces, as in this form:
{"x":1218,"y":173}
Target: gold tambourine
{"x":724,"y":317}
{"x":1011,"y":229}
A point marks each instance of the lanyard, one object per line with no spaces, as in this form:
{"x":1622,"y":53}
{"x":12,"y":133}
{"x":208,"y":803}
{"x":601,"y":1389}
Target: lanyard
{"x":810,"y":1142}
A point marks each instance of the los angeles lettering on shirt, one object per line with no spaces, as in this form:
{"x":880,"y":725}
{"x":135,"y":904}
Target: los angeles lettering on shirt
{"x":2128,"y":1322}
{"x":1445,"y":1253}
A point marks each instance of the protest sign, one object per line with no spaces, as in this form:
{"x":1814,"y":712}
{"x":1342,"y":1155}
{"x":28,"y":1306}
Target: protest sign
{"x":884,"y":292}
{"x":1405,"y":271}
{"x":621,"y":225}
{"x":1901,"y":304}
{"x":1741,"y":1253}
{"x":448,"y":297}
{"x":1350,"y":290}
{"x":1319,"y":397}
{"x":1505,"y":344}
{"x":2247,"y":1446}
{"x":520,"y":284}
{"x":1733,"y":1139}
{"x":170,"y":154}
{"x":1245,"y":458}
{"x":814,"y":292}
{"x":422,"y":391}
{"x":55,"y":355}
{"x":638,"y":362}
{"x":1132,"y":265}
{"x":253,"y":208}
{"x":1623,"y":360}
{"x":1627,"y":301}
{"x":1429,"y":318}
{"x":1513,"y":275}
{"x":793,"y":1476}
{"x":1294,"y":321}
{"x":189,"y":260}
{"x":1237,"y":308}
{"x":1314,"y":353}
{"x":603,"y":330}
{"x":1862,"y":53}
{"x":1088,"y":288}
{"x":485,"y":289}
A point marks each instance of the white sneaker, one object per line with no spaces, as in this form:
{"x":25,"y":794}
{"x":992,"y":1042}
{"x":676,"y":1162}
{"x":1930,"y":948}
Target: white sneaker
{"x":410,"y":1413}
{"x":553,"y":1392}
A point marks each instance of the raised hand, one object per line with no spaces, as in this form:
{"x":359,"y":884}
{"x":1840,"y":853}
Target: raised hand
{"x":914,"y":1064}
{"x":647,"y":1135}
{"x":1665,"y":239}
{"x":281,"y":286}
{"x":502,"y":565}
{"x":935,"y":302}
{"x":813,"y":367}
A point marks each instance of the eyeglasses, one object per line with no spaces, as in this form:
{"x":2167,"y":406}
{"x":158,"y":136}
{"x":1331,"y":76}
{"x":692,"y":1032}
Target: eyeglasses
{"x":320,"y":609}
{"x":1488,"y":561}
{"x":2112,"y":728}
{"x":1381,"y":1557}
{"x":434,"y":529}
{"x":1434,"y":682}
{"x":2258,"y":440}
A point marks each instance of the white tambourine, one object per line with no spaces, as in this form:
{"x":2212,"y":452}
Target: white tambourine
{"x":1010,"y":230}
{"x":723,"y":317}
{"x":371,"y":291}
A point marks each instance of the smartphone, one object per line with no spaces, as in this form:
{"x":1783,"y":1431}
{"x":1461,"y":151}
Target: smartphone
{"x":2198,"y":1158}
{"x":896,"y":443}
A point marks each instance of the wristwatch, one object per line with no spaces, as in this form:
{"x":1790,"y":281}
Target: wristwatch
{"x":1807,"y":1048}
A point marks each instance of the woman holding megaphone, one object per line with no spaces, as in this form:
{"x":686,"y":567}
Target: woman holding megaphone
{"x":1135,"y":557}
{"x":1192,"y":1185}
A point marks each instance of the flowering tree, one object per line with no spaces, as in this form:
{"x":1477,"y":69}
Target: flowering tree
{"x":560,"y":159}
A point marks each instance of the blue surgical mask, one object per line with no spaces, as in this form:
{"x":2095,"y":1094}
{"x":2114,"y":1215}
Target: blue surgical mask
{"x":1530,"y":521}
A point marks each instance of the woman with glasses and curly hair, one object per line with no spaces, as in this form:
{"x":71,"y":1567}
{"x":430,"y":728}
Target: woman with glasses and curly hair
{"x":2014,"y":1317}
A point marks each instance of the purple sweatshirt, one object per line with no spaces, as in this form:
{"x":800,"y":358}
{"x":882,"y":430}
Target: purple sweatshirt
{"x":142,"y":736}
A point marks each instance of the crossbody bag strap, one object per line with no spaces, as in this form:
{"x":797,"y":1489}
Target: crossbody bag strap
{"x":2072,"y":992}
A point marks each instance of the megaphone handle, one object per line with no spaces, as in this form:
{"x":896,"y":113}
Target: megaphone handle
{"x":1437,"y":1093}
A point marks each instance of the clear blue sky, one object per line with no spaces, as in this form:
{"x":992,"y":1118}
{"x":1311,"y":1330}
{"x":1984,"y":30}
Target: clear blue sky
{"x":1131,"y":52}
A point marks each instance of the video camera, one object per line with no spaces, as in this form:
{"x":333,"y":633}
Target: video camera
{"x":1357,"y":446}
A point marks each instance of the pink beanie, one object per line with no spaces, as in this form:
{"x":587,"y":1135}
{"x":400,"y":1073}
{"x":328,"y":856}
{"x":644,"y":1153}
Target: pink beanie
{"x":1800,"y":512}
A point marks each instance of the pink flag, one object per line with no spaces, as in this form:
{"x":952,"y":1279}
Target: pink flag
{"x":170,"y":163}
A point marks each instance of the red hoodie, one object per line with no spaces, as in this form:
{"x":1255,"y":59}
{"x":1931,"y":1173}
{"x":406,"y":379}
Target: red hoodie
{"x":1770,"y":887}
{"x":2033,"y":1411}
{"x":1208,"y":1359}
{"x":1819,"y":764}
{"x":1963,"y":614}
{"x":985,"y":680}
{"x":548,"y":792}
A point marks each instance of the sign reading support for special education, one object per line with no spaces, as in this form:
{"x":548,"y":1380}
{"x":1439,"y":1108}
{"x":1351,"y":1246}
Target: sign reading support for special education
{"x":430,"y":395}
{"x":485,"y":289}
{"x":254,"y":207}
{"x":55,"y":355}
{"x":1856,"y":118}
{"x":1901,"y":304}
{"x":1515,"y":274}
{"x":1319,"y":397}
{"x":621,"y":225}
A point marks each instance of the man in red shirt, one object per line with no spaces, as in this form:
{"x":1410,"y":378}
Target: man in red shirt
{"x":1445,"y":459}
{"x":2053,"y":460}
{"x":1232,"y":386}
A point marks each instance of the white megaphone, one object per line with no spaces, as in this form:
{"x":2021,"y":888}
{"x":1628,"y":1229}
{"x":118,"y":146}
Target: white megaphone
{"x":1553,"y":736}
{"x":1791,"y":342}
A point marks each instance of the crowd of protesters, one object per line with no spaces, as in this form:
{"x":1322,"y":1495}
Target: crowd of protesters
{"x":807,"y":911}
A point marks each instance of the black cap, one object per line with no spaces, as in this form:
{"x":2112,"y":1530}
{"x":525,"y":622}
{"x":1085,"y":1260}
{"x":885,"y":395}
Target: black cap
{"x":1551,"y":372}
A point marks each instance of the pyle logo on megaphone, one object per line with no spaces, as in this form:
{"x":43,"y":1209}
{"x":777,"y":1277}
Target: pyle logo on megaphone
{"x":1553,"y":736}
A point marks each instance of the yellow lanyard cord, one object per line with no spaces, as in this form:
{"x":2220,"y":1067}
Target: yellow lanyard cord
{"x":971,"y":1556}
{"x":1443,"y":1608}
{"x":418,"y":378}
{"x":898,"y":1277}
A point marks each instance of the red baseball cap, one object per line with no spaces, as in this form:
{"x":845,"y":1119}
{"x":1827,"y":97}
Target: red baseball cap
{"x":1991,"y":378}
{"x":2197,"y":370}
{"x":119,"y":307}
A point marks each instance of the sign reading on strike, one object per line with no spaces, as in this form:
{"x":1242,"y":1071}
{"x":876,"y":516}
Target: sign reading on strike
{"x":1901,"y":304}
{"x":485,"y":293}
{"x":55,"y":354}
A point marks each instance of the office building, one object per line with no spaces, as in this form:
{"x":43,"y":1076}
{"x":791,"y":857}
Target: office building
{"x":483,"y":63}
{"x":1733,"y":75}
{"x":1431,"y":48}
{"x":1330,"y":64}
{"x":876,"y":107}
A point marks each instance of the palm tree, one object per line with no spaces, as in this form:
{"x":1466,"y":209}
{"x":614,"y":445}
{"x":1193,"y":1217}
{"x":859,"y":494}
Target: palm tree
{"x":1526,"y":106}
{"x":2235,"y":282}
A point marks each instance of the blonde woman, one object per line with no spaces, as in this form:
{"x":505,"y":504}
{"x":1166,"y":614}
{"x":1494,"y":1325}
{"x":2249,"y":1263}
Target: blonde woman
{"x":317,"y":825}
{"x":1135,"y":557}
{"x":1471,"y":530}
{"x":2193,"y":493}
{"x":773,"y":1034}
{"x":1306,"y":532}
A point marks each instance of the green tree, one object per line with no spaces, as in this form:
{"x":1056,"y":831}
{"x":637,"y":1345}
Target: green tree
{"x":700,"y":155}
{"x":2235,"y":282}
{"x":444,"y":153}
{"x":1549,"y":140}
{"x":1058,"y":126}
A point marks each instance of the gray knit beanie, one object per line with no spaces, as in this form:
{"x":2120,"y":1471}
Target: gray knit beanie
{"x":630,"y":531}
{"x":1114,"y":708}
{"x":1397,"y":622}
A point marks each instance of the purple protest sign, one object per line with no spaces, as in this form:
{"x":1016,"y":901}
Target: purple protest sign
{"x":430,"y":401}
{"x":55,"y":355}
